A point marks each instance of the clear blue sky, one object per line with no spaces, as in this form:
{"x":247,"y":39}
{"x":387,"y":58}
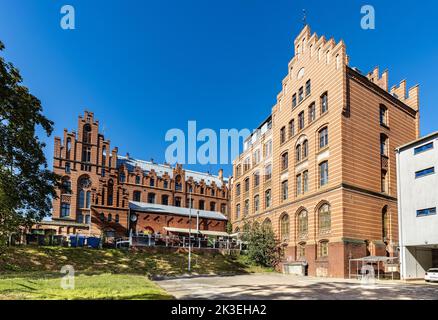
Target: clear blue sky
{"x":144,"y":66}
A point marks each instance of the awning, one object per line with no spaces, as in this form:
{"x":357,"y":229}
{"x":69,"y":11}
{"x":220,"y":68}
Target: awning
{"x":214,"y":233}
{"x":180,"y":230}
{"x":194,"y":232}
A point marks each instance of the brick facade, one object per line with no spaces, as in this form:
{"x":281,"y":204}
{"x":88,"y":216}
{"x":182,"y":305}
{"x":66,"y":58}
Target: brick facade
{"x":101,"y":184}
{"x":343,"y":159}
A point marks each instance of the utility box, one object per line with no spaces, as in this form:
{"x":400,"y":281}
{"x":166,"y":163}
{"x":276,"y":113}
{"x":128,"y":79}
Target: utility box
{"x":295,"y":268}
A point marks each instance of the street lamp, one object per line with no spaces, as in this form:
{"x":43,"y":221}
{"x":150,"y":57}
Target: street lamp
{"x":190,"y":229}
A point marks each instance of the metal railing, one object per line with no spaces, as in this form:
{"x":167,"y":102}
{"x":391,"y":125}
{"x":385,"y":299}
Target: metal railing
{"x":174,"y":241}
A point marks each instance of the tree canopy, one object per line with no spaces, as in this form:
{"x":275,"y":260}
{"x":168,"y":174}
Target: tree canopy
{"x":26,"y":185}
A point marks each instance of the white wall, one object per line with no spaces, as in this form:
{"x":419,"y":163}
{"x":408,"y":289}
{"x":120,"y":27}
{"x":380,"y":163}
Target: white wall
{"x":416,"y":194}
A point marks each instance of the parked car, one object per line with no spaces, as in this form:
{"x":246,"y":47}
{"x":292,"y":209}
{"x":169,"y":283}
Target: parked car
{"x":431,"y":275}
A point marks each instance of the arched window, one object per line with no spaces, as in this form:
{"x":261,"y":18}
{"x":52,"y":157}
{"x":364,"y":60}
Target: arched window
{"x":324,"y":219}
{"x":110,"y":217}
{"x":117,"y":218}
{"x":102,"y":216}
{"x":302,"y":224}
{"x":84,"y":186}
{"x":305,"y":149}
{"x":298,"y":153}
{"x":104,"y":156}
{"x":110,"y":193}
{"x":178,"y":184}
{"x":267,"y":223}
{"x":86,"y":138}
{"x":68,"y":148}
{"x":284,"y":227}
{"x":88,"y":200}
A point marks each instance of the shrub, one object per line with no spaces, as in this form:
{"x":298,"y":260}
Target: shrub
{"x":263,"y":249}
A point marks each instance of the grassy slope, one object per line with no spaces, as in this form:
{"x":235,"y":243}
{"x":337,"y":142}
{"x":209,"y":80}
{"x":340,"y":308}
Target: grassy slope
{"x":34,"y":272}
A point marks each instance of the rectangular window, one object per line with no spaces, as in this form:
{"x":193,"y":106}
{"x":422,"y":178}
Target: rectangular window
{"x":268,"y":198}
{"x":256,"y":179}
{"x":323,"y":137}
{"x":384,"y":182}
{"x":246,"y":208}
{"x":238,"y":189}
{"x":424,"y":172}
{"x":256,"y":157}
{"x":151,"y":198}
{"x":323,"y":173}
{"x":305,"y":181}
{"x":238,"y":211}
{"x":294,"y":100}
{"x":308,"y":87}
{"x":301,"y":120}
{"x":268,"y":172}
{"x":268,"y":149}
{"x":247,"y":164}
{"x":284,"y":190}
{"x":299,"y":184}
{"x":67,"y":167}
{"x":424,"y":148}
{"x":312,"y":113}
{"x":246,"y":184}
{"x":426,"y":212}
{"x":284,"y":161}
{"x":282,"y":134}
{"x":65,"y":210}
{"x":291,"y":128}
{"x":300,"y":94}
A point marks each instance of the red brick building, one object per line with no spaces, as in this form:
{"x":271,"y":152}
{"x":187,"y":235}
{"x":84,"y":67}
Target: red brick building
{"x":104,"y":192}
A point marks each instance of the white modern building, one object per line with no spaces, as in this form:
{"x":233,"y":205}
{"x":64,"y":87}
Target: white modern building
{"x":417,"y":179}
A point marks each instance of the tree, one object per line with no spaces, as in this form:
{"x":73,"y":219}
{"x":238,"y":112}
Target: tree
{"x":229,"y":227}
{"x":262,"y":246}
{"x":26,"y":185}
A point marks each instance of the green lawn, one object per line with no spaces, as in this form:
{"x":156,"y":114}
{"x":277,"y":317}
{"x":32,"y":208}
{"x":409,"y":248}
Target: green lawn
{"x":34,"y":272}
{"x":102,"y":286}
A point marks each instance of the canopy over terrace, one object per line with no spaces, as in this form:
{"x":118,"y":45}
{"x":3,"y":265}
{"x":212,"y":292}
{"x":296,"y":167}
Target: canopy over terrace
{"x":198,"y":232}
{"x":390,"y":262}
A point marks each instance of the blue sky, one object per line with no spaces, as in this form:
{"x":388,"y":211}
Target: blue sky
{"x":145,"y":67}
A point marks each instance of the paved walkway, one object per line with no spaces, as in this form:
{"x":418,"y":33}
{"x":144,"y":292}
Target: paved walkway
{"x":280,"y":286}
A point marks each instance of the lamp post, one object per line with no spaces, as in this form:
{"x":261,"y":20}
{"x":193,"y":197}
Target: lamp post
{"x":190,"y":229}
